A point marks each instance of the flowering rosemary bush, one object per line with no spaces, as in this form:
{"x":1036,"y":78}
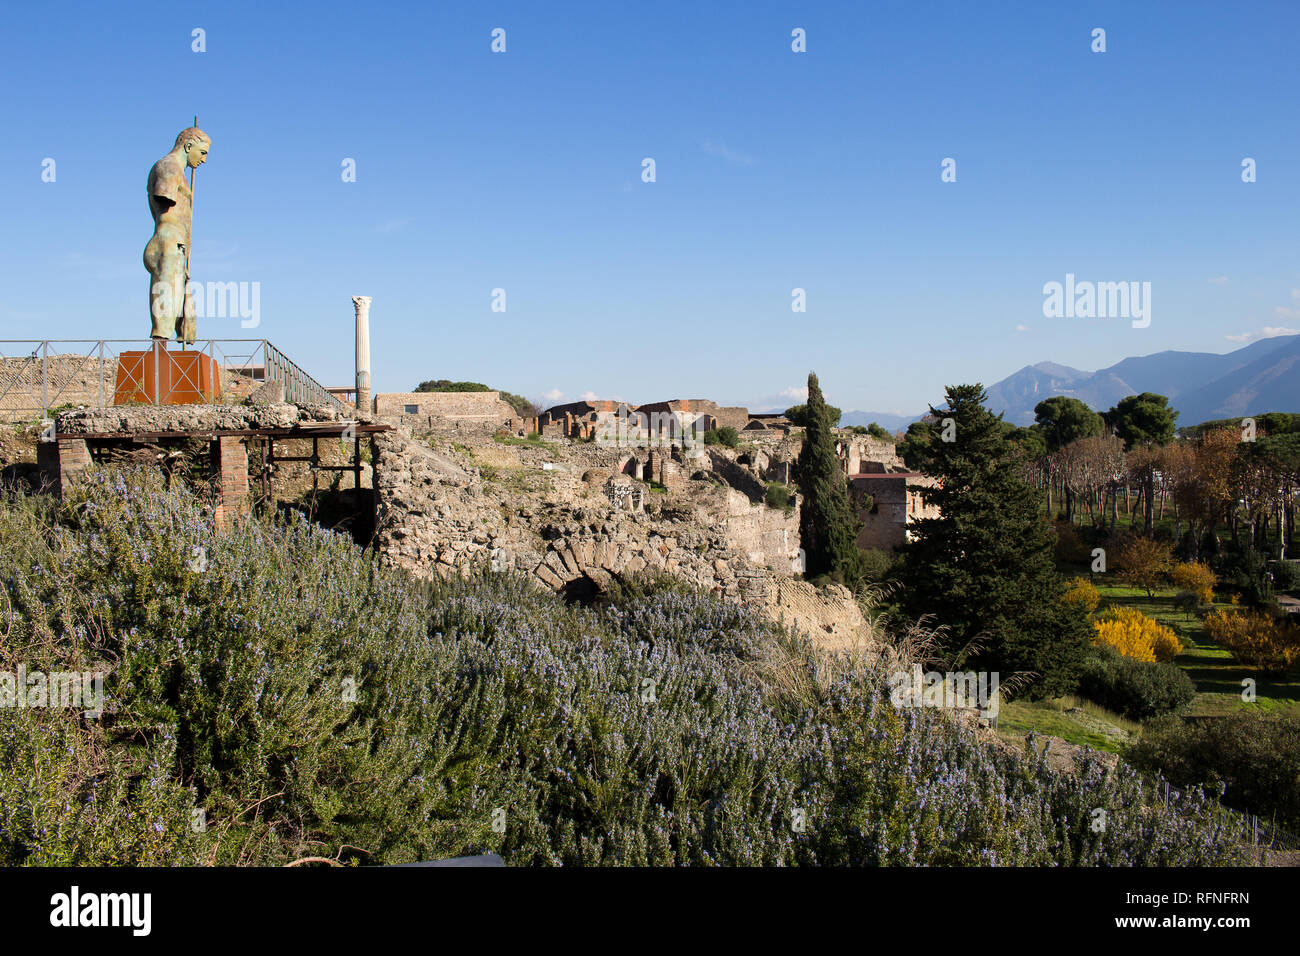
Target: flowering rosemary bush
{"x":272,"y":694}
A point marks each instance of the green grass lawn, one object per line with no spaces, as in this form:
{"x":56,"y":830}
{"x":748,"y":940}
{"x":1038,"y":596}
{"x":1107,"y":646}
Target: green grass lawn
{"x":1073,"y":719}
{"x":1216,"y":675}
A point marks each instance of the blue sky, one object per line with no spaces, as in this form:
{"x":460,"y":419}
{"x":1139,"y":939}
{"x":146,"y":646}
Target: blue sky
{"x":775,"y":170}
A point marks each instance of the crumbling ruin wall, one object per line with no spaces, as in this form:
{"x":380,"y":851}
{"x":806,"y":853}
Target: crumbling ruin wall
{"x":130,"y":419}
{"x":768,"y":537}
{"x":437,"y":514}
{"x":430,"y":515}
{"x":829,"y":614}
{"x":859,"y":454}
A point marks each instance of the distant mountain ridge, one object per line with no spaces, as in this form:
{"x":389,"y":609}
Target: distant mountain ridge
{"x":1263,"y":376}
{"x":885,"y":420}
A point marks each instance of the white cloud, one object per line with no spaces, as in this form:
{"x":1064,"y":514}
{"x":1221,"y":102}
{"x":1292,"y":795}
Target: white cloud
{"x":798,"y":392}
{"x":1219,"y":280}
{"x":1022,"y":328}
{"x":1284,"y":312}
{"x":1267,"y":332}
{"x":589,"y":396}
{"x":725,"y":153}
{"x":554,"y":395}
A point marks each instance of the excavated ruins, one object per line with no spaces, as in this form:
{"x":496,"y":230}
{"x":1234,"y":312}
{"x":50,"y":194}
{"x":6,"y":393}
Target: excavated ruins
{"x":574,"y":516}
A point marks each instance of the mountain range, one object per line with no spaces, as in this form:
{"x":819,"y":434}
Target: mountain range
{"x":1261,"y":377}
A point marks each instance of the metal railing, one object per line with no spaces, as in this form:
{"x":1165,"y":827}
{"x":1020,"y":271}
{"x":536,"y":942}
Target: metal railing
{"x":299,"y":387}
{"x":38,"y":375}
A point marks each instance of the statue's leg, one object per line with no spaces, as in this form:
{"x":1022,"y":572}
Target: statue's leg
{"x":167,"y":294}
{"x":158,"y":309}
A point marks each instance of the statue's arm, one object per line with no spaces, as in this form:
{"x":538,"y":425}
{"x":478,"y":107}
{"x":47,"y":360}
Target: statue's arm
{"x":166,"y":186}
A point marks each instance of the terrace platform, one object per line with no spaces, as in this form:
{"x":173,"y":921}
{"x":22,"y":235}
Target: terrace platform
{"x":160,"y":434}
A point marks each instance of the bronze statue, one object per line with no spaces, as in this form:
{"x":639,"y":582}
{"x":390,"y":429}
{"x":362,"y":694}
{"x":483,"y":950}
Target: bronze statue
{"x":167,"y":256}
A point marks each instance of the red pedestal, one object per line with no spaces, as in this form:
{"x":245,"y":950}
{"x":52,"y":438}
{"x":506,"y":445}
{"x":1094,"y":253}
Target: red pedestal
{"x":163,"y":377}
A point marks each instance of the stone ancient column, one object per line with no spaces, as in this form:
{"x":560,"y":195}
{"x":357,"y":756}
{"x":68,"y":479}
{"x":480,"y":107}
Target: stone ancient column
{"x":362,"y":304}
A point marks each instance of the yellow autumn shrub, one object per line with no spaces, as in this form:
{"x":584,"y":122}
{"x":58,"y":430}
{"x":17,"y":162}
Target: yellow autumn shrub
{"x":1135,"y":635}
{"x":1083,"y":592}
{"x":1196,"y":577}
{"x":1256,"y":639}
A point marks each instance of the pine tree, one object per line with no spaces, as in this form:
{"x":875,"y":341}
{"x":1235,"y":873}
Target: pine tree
{"x":828,"y":528}
{"x":984,"y":567}
{"x":1144,"y":422}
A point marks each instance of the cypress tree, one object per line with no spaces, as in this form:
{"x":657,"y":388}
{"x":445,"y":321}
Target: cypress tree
{"x":828,"y":528}
{"x":984,"y":568}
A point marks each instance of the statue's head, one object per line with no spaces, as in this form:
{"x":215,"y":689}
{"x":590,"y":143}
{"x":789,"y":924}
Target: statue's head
{"x":195,"y":143}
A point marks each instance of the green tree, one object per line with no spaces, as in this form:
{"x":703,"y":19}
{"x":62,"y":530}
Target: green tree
{"x":726,"y":435}
{"x":1280,"y":454}
{"x":1144,"y":419}
{"x":914,"y":449}
{"x":1031,"y":442}
{"x":447,"y":385}
{"x":1144,"y":422}
{"x":1065,"y":420}
{"x":798,"y":414}
{"x":984,"y":567}
{"x":522,"y":406}
{"x":874,"y":430}
{"x":828,"y":528}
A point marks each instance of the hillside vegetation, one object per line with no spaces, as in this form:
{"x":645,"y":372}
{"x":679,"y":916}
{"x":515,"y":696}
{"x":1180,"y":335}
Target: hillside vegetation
{"x":273,"y":695}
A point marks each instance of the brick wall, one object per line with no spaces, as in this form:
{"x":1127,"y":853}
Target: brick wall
{"x":230,"y":464}
{"x":59,"y":460}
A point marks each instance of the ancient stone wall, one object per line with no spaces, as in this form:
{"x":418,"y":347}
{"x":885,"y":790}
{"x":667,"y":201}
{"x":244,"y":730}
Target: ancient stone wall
{"x":466,"y":407}
{"x":731,"y":416}
{"x":562,"y":513}
{"x":558,"y":521}
{"x":768,"y":537}
{"x":829,"y":614}
{"x":129,"y":419}
{"x":866,"y":454}
{"x":895,"y":503}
